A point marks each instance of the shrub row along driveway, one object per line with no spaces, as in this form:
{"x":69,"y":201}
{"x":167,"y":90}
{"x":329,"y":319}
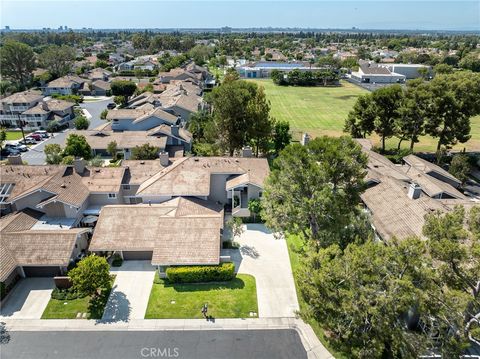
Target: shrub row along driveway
{"x":266,"y":258}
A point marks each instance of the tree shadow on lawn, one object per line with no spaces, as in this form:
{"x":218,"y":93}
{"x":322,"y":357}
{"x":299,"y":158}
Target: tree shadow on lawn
{"x":236,"y":283}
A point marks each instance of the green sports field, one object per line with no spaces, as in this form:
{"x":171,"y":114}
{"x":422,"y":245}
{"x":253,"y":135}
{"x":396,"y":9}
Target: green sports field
{"x":322,"y":111}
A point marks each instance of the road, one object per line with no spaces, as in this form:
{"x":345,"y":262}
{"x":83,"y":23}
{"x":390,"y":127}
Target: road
{"x":208,"y":344}
{"x":35,"y":155}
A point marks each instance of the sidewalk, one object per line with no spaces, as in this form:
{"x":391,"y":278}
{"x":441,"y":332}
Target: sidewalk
{"x":314,"y":348}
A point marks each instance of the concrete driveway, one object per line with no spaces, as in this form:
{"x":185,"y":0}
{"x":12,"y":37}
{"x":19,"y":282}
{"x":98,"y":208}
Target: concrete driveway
{"x":131,"y":291}
{"x":28,"y":299}
{"x":266,"y":258}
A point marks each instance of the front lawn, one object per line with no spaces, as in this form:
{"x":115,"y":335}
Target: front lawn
{"x":234,"y":299}
{"x":15,"y":135}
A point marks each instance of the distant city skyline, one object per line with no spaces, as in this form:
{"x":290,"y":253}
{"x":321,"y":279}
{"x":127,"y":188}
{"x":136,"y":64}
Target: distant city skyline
{"x":381,"y":15}
{"x":387,"y":14}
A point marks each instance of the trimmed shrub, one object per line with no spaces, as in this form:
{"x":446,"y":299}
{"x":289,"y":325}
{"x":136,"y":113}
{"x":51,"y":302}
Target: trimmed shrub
{"x":65,"y":294}
{"x":197,"y":274}
{"x":117,"y":260}
{"x":230,"y":245}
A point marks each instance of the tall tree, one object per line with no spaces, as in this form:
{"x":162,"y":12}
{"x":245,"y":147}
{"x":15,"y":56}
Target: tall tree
{"x":81,"y":123}
{"x":145,"y":152}
{"x":386,"y":101}
{"x":412,"y":111}
{"x":260,"y":123}
{"x":361,"y":119}
{"x":281,"y":135}
{"x":18,"y":61}
{"x":313,"y":190}
{"x":77,"y":146}
{"x":58,"y":60}
{"x":3,"y":137}
{"x":460,"y":167}
{"x":231,"y":112}
{"x":123,"y":88}
{"x":53,"y":153}
{"x":91,"y":275}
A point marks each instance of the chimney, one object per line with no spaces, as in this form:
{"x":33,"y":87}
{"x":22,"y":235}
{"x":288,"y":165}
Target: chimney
{"x":414,"y":191}
{"x":175,"y":130}
{"x":305,"y":139}
{"x":15,"y":160}
{"x":164,"y":161}
{"x":79,"y":165}
{"x":246,"y":151}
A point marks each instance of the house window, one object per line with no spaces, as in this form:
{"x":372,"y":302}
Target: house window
{"x":126,"y":186}
{"x":112,"y":195}
{"x":260,"y":194}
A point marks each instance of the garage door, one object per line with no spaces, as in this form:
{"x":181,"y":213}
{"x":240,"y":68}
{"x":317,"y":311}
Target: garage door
{"x":138,"y":255}
{"x":41,"y":271}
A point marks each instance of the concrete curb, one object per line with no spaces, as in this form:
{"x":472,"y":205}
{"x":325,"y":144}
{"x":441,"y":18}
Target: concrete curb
{"x":314,"y":348}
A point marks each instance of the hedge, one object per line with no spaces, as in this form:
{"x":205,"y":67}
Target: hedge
{"x":196,"y":274}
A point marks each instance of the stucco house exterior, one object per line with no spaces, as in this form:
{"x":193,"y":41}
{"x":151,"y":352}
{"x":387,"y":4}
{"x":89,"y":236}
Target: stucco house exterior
{"x":66,"y":85}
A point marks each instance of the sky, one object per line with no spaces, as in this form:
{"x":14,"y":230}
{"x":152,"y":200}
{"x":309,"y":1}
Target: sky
{"x":114,"y":14}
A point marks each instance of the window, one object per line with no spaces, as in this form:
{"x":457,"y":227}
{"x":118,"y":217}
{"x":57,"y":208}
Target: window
{"x":260,"y":194}
{"x":112,"y":195}
{"x":126,"y":186}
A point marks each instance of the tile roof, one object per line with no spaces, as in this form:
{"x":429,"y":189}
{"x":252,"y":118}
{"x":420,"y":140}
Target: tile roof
{"x":179,"y":231}
{"x":23,"y":97}
{"x":427,"y":167}
{"x":190,"y":176}
{"x":66,"y":81}
{"x":125,"y":139}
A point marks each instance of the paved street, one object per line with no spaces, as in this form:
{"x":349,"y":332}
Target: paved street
{"x":232,"y":344}
{"x":36,"y":156}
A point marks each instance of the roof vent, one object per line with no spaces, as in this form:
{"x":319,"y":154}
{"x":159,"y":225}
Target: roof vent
{"x":142,"y":162}
{"x":414,"y":191}
{"x":63,"y":185}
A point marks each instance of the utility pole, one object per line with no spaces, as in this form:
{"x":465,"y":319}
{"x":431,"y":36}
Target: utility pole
{"x":20,"y":122}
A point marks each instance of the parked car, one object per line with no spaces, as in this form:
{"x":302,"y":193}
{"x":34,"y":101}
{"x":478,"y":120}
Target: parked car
{"x":111,"y":105}
{"x":28,"y":141}
{"x":22,"y":148}
{"x":9,"y":152}
{"x":18,"y":147}
{"x":36,"y":137}
{"x":41,"y":133}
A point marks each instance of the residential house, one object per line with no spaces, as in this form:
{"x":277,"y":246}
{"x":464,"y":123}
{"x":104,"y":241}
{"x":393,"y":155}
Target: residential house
{"x":140,"y":119}
{"x":399,"y":196}
{"x":66,"y":85}
{"x":100,"y":88}
{"x":99,"y":74}
{"x":13,"y":106}
{"x":30,"y":107}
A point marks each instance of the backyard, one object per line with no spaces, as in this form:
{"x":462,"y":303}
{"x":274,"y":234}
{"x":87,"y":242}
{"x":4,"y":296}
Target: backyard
{"x":323,"y":110}
{"x":234,"y":299}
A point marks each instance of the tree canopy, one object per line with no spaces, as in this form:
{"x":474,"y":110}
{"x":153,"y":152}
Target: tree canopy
{"x":57,"y":60}
{"x":18,"y":61}
{"x":77,"y":146}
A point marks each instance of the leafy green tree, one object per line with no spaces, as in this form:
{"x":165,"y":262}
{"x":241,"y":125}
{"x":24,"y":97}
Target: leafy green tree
{"x":77,"y":146}
{"x":201,"y":54}
{"x":112,"y":149}
{"x":18,"y":61}
{"x":281,"y":135}
{"x":471,"y":62}
{"x":362,"y":295}
{"x":145,"y":152}
{"x":474,"y":221}
{"x":231,"y":113}
{"x":413,"y":109}
{"x":124,"y":89}
{"x":460,"y":167}
{"x":58,"y":60}
{"x":53,"y":126}
{"x":235,"y":226}
{"x":140,"y":41}
{"x":91,"y":275}
{"x":96,"y":161}
{"x":361,"y":119}
{"x":386,"y":102}
{"x":305,"y":194}
{"x":81,"y":123}
{"x":101,"y":63}
{"x":53,"y":153}
{"x":254,"y":206}
{"x":443,"y":69}
{"x":260,"y":124}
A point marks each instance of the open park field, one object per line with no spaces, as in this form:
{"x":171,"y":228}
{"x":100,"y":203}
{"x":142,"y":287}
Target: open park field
{"x":323,"y":110}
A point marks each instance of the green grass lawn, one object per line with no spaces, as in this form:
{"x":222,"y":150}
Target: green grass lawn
{"x":234,"y":299}
{"x":15,"y":135}
{"x":323,"y":110}
{"x":66,"y":309}
{"x":294,"y":244}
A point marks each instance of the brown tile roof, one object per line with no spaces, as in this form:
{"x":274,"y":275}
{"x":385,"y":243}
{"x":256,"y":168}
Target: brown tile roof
{"x":179,"y":231}
{"x":190,"y":176}
{"x":138,"y":115}
{"x":101,"y":84}
{"x":103,"y":179}
{"x":138,"y":172}
{"x":20,"y":221}
{"x":125,"y":139}
{"x":58,"y":105}
{"x":66,"y":81}
{"x":164,"y":129}
{"x":428,"y":167}
{"x":23,"y":97}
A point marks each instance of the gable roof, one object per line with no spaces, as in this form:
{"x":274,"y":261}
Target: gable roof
{"x":179,"y":231}
{"x":190,"y":176}
{"x":23,"y":97}
{"x":428,"y":167}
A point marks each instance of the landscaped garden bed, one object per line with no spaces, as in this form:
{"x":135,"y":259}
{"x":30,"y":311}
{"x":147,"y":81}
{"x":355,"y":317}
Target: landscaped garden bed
{"x":236,"y":298}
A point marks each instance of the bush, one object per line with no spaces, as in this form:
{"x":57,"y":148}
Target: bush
{"x":230,"y":245}
{"x":196,"y":274}
{"x":117,"y":260}
{"x":65,"y":294}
